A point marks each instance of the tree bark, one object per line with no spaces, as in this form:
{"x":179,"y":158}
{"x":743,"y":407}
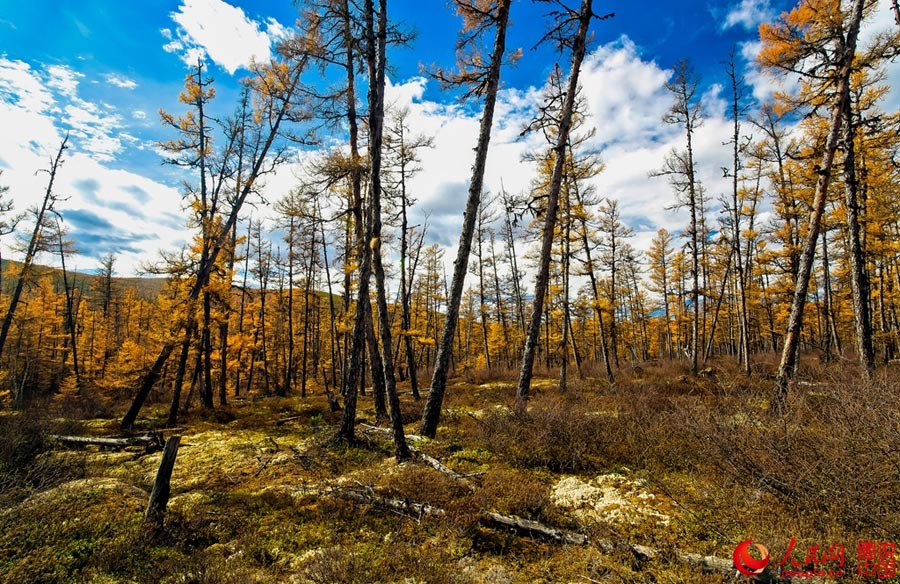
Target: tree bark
{"x":859,"y":277}
{"x":376,"y":57}
{"x":432,"y":412}
{"x":33,"y":243}
{"x":159,"y":496}
{"x":543,"y":277}
{"x":795,"y":321}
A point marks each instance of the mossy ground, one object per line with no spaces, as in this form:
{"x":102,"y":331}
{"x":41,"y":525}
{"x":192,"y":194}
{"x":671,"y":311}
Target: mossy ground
{"x":648,"y":462}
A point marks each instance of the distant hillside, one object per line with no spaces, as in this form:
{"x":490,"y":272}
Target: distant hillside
{"x":147,"y":288}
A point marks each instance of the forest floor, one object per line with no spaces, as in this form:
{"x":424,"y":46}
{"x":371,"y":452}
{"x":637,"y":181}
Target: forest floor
{"x":649,"y":471}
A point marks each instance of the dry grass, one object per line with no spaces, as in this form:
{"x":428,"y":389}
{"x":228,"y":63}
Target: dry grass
{"x":679,"y":462}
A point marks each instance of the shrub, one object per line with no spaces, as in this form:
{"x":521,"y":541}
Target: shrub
{"x":26,"y":465}
{"x":834,"y":457}
{"x":557,"y":433}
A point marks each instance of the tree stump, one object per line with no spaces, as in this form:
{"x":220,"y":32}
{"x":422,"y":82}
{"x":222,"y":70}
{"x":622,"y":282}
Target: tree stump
{"x":159,"y":496}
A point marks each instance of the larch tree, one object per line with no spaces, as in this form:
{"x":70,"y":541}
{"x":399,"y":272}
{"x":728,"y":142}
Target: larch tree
{"x":376,"y":56}
{"x":735,"y":208}
{"x":193,"y":149}
{"x":401,"y":151}
{"x":680,"y":168}
{"x":481,"y":78}
{"x":274,"y":88}
{"x":333,"y":35}
{"x":65,"y":247}
{"x":661,"y":256}
{"x":817,"y":41}
{"x":614,"y":234}
{"x":35,"y":243}
{"x":569,"y":31}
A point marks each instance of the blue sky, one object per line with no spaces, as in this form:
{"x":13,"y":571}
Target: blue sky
{"x":102,"y":70}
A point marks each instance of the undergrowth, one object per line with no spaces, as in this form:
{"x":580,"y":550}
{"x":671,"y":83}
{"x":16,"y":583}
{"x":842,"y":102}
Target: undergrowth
{"x":257,"y":493}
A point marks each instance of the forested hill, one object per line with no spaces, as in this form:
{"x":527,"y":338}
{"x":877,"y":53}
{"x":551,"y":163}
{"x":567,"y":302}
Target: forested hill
{"x":147,"y":288}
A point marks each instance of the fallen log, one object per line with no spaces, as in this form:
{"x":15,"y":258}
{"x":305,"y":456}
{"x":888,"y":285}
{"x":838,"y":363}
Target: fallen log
{"x":436,"y":464}
{"x":531,"y":528}
{"x":704,"y":563}
{"x":151,"y":442}
{"x":534,"y":528}
{"x":407,"y":508}
{"x":370,"y":429}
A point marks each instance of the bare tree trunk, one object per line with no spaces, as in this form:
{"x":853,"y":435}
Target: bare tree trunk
{"x":33,"y":243}
{"x":289,"y":360}
{"x":432,"y":412}
{"x":70,"y":306}
{"x":510,"y":242}
{"x":543,"y":277}
{"x":736,"y":205}
{"x":307,"y":290}
{"x":564,"y":343}
{"x":376,"y":58}
{"x":498,"y":298}
{"x":482,"y":299}
{"x":336,"y":354}
{"x":859,"y":278}
{"x":159,"y":497}
{"x":719,"y":299}
{"x":223,"y":326}
{"x":179,"y":374}
{"x":241,"y":312}
{"x":795,"y":321}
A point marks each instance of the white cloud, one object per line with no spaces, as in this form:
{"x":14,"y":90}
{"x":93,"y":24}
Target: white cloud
{"x":64,"y":79}
{"x":139,"y":114}
{"x":20,"y":85}
{"x":121,"y":81}
{"x":881,"y":21}
{"x":626,"y":99}
{"x":128,"y":224}
{"x":221,"y":32}
{"x":748,"y":14}
{"x":24,"y":96}
{"x":626,"y":95}
{"x":277,"y":31}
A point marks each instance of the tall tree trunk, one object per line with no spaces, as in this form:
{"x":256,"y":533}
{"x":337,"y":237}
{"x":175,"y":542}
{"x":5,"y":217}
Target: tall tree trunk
{"x":179,"y":375}
{"x":736,"y":205}
{"x":432,"y":412}
{"x":509,"y":240}
{"x":405,"y":284}
{"x":289,"y":361}
{"x":498,"y":298}
{"x":564,"y":342}
{"x":795,"y":321}
{"x":337,"y":360}
{"x":33,"y":243}
{"x":543,"y":277}
{"x":70,"y":307}
{"x":859,"y":277}
{"x":241,"y":312}
{"x":376,"y":57}
{"x":223,"y":326}
{"x":482,"y":299}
